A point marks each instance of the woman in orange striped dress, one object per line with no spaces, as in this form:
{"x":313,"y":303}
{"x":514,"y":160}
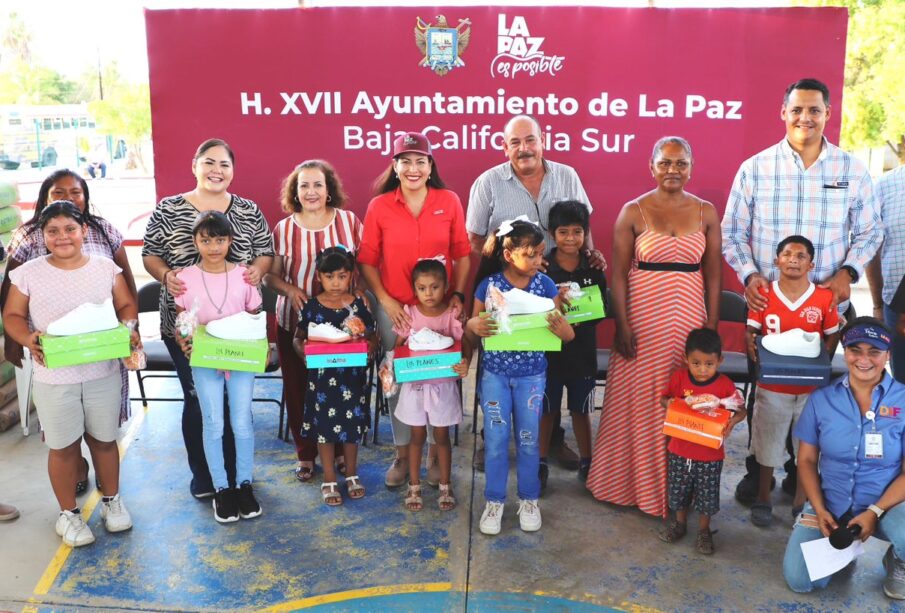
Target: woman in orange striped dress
{"x":665,"y":282}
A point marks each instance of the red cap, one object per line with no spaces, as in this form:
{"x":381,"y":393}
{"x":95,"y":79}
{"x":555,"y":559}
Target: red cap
{"x":411,"y":142}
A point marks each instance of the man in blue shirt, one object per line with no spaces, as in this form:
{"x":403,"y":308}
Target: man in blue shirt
{"x":853,"y":431}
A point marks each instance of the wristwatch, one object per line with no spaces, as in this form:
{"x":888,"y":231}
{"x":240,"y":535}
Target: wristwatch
{"x":460,"y":295}
{"x":877,"y":510}
{"x":851,"y":272}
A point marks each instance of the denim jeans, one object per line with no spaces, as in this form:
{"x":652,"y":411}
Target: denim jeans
{"x":209,"y":384}
{"x":891,"y":527}
{"x":508,"y":401}
{"x":897,"y":353}
{"x":192,"y":427}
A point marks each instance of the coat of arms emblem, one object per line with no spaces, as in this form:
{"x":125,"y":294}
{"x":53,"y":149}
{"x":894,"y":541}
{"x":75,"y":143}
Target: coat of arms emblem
{"x":442,"y":44}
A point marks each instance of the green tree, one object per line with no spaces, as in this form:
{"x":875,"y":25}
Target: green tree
{"x":873,"y":113}
{"x":125,"y":112}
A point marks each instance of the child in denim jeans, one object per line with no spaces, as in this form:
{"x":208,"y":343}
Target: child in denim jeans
{"x":512,"y":382}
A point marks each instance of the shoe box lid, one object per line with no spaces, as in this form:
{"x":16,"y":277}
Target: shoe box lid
{"x":423,"y":365}
{"x":86,"y":348}
{"x":242,"y":355}
{"x":587,"y":307}
{"x":701,"y":427}
{"x":321,"y":348}
{"x":792,"y":370}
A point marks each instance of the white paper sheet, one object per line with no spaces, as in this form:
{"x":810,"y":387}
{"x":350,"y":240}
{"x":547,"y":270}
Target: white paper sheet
{"x":822,"y":559}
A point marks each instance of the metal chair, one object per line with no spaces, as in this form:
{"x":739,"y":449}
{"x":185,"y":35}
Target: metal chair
{"x":734,"y":309}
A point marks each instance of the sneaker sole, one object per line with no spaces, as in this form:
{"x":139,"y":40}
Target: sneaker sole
{"x":73,"y":544}
{"x":893,"y":595}
{"x":530,"y":528}
{"x":258,"y":513}
{"x":203,"y":496}
{"x":222,"y":520}
{"x":115,"y":530}
{"x":490,"y":532}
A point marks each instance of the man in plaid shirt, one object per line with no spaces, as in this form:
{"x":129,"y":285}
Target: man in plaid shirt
{"x":802,"y":185}
{"x":887,"y":269}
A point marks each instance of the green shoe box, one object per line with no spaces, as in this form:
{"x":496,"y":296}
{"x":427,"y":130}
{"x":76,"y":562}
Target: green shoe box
{"x":586,"y":308}
{"x":212,"y":352}
{"x":533,"y":339}
{"x":86,"y":348}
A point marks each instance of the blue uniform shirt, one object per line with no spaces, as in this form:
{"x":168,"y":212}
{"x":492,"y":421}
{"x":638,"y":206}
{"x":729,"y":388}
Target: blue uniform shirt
{"x":517,"y":363}
{"x":832,"y":422}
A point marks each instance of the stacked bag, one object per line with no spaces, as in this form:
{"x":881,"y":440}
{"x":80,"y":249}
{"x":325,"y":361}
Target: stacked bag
{"x":10,"y":219}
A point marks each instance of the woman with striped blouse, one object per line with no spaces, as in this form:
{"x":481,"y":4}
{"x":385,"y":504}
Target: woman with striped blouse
{"x":313,"y":197}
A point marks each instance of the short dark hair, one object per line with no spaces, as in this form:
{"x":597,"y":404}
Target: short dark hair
{"x":212,"y":224}
{"x":429,"y":266}
{"x":798,"y":240}
{"x":704,"y":340}
{"x":335,"y":258}
{"x":811,"y":84}
{"x":568,"y":213}
{"x":210,"y":144}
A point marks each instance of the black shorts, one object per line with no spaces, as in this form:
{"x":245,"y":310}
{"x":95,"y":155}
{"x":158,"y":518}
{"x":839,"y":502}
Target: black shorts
{"x":689,"y":480}
{"x":580,"y":397}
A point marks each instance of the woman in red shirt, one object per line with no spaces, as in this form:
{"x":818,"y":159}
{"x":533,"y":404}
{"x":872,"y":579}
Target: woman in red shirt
{"x":412,"y":217}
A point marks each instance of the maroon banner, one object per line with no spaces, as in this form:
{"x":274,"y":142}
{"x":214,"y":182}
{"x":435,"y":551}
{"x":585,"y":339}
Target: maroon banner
{"x":282,"y":86}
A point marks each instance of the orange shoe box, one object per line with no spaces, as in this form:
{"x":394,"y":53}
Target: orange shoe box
{"x":701,"y":427}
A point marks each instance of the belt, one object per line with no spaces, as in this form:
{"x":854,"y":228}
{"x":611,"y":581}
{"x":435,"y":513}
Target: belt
{"x":670,"y":266}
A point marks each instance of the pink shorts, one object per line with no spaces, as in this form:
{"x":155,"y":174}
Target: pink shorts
{"x":437,"y":404}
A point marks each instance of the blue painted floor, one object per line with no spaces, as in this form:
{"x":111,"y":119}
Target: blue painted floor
{"x":372,"y":555}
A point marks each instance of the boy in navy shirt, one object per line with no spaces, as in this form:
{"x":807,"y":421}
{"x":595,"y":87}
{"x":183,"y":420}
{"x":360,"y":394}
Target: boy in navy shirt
{"x":575,"y":367}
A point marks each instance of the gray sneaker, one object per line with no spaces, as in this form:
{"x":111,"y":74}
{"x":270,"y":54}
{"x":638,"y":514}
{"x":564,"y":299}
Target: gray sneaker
{"x":894,"y":586}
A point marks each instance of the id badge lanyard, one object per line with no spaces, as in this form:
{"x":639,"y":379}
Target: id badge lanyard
{"x":873,"y":440}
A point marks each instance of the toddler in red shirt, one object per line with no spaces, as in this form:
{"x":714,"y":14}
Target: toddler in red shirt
{"x":693,"y":474}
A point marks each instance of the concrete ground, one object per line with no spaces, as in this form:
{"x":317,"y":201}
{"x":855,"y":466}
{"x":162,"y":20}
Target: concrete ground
{"x":371,"y":554}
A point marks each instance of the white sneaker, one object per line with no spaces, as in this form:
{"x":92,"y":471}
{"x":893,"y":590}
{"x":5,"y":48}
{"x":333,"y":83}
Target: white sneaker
{"x":426,"y":339}
{"x":520,"y":302}
{"x":116,"y":517}
{"x":795,"y":342}
{"x":326,"y":333}
{"x":239,"y":327}
{"x":73,"y":529}
{"x":85,"y":318}
{"x":492,"y":518}
{"x":529,"y":515}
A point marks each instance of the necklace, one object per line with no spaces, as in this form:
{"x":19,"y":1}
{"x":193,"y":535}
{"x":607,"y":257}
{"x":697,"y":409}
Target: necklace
{"x":219,"y":309}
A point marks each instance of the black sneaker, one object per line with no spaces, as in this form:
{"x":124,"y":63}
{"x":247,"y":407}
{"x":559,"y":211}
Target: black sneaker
{"x":199,"y":490}
{"x":248,"y":505}
{"x":226,"y":505}
{"x":583,"y":472}
{"x":543,"y":472}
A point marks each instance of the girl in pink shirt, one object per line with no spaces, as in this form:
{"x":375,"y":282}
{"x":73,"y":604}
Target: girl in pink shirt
{"x":217,"y":288}
{"x":436,"y":402}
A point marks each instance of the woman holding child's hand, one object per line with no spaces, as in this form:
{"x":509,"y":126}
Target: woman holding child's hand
{"x":665,"y":282}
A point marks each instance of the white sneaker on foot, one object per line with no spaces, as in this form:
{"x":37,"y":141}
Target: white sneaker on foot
{"x":795,"y":342}
{"x":325,"y":333}
{"x":85,"y":318}
{"x":520,"y":302}
{"x":426,"y":339}
{"x":73,"y":529}
{"x":529,"y":515}
{"x":492,"y":518}
{"x":116,"y":517}
{"x":239,"y":327}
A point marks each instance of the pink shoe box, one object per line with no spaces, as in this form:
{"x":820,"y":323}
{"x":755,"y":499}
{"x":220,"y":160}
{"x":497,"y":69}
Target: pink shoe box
{"x":336,"y":355}
{"x":422,"y":365}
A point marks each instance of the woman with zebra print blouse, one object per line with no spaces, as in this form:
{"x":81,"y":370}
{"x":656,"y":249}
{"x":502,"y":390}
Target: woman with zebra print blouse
{"x":168,"y":248}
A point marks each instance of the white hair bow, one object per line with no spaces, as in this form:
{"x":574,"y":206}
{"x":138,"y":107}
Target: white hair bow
{"x":506,"y":227}
{"x":439,"y":257}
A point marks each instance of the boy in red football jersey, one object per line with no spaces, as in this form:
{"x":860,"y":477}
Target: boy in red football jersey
{"x":792,"y":302}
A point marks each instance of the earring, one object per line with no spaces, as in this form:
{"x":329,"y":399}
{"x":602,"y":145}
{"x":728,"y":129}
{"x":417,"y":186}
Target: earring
{"x":296,"y":199}
{"x":329,"y":197}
